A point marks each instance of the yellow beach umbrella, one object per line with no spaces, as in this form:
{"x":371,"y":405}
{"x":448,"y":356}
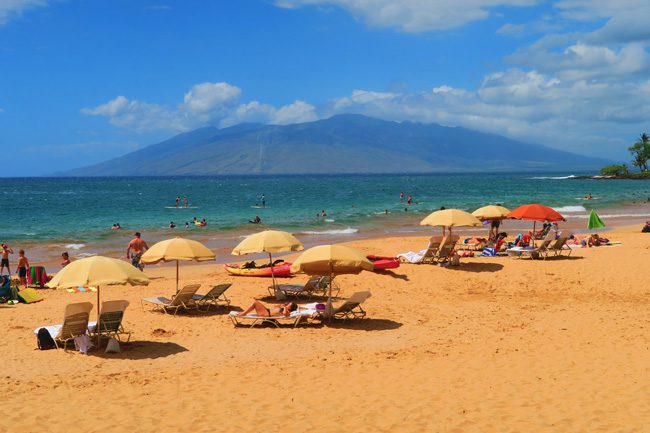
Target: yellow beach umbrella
{"x":268,"y":241}
{"x":98,"y":271}
{"x":331,"y":260}
{"x":491,"y":212}
{"x":451,"y":218}
{"x":177,"y":249}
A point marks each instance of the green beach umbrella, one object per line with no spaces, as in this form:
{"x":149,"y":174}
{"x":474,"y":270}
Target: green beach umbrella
{"x":594,"y":221}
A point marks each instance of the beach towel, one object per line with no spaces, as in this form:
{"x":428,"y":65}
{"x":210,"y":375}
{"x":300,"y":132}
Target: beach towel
{"x":81,"y":289}
{"x":29,"y":296}
{"x":412,"y":256}
{"x":37,"y":276}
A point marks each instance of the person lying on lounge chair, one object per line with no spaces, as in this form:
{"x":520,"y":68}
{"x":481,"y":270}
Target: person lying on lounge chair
{"x":263,"y":311}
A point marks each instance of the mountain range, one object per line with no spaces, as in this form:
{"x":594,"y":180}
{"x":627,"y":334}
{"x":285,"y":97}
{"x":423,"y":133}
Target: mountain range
{"x":347,"y":143}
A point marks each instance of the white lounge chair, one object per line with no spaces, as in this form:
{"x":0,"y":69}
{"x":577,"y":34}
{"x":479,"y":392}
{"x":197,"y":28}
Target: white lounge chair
{"x":182,"y":300}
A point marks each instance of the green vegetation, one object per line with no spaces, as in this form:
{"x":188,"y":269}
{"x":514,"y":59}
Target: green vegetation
{"x":640,"y":151}
{"x":614,"y":170}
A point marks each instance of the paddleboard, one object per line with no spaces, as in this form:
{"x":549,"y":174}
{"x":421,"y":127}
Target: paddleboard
{"x":183,"y":207}
{"x":259,"y":207}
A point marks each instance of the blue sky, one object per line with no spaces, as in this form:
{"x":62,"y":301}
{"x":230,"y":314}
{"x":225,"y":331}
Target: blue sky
{"x":82,"y":81}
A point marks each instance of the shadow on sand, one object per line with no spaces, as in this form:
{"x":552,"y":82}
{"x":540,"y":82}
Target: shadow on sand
{"x":477,"y":267}
{"x":390,"y":273}
{"x":141,"y":350}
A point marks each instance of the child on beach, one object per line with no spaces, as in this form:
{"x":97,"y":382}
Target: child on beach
{"x":66,"y":259}
{"x":5,"y":258}
{"x":21,"y":269}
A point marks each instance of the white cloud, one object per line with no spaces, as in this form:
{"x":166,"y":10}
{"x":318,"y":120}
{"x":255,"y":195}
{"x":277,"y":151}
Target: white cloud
{"x":297,"y":112}
{"x":414,"y":15}
{"x":12,"y":8}
{"x":204,"y":104}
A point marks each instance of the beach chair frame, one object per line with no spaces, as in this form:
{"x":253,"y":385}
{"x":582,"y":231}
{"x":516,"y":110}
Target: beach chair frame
{"x":315,"y":285}
{"x":350,"y":309}
{"x":433,"y":248}
{"x":182,"y":300}
{"x":216,"y":296}
{"x":294,"y":320}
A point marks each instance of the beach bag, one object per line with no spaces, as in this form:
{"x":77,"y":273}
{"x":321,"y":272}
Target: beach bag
{"x":44,"y":340}
{"x":113,"y":346}
{"x":489,"y":252}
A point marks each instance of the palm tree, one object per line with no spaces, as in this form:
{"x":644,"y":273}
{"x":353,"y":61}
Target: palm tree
{"x":641,"y":152}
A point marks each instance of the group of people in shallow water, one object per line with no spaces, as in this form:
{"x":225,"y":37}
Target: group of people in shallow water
{"x":186,"y":202}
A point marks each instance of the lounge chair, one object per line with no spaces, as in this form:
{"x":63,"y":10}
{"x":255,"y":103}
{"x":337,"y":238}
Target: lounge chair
{"x":533,"y":252}
{"x":216,"y":296}
{"x":315,"y":285}
{"x":110,"y":320}
{"x":424,"y":256}
{"x":560,"y":246}
{"x":182,"y":300}
{"x":446,"y":249}
{"x":303,"y":313}
{"x":350,"y":309}
{"x":75,"y":323}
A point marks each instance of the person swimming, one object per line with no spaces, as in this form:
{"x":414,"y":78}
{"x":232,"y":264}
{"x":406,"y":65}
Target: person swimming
{"x":172,"y":225}
{"x":116,"y":226}
{"x":256,"y":220}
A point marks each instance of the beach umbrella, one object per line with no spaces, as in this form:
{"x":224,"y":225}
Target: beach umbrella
{"x":98,"y":271}
{"x":177,"y":249}
{"x":331,"y":260}
{"x":594,"y":221}
{"x":491,"y":213}
{"x":268,"y":241}
{"x":535,"y":212}
{"x":451,"y":218}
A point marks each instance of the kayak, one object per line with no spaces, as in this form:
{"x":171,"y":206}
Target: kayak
{"x":280,"y":270}
{"x":381,"y":263}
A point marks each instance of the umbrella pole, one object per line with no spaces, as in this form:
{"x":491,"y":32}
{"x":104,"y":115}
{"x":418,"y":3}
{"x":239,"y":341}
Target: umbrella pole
{"x":329,"y":307}
{"x":97,"y":328}
{"x":272,"y":273}
{"x":176,"y":276}
{"x":533,"y":238}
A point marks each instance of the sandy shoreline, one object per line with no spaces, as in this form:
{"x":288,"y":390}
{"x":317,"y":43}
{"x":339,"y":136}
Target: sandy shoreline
{"x":495,"y":345}
{"x":48,"y":253}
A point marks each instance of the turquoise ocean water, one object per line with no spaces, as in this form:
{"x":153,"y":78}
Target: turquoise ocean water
{"x":76,"y":213}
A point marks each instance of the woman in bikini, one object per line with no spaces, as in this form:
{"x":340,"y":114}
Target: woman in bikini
{"x":263,"y":311}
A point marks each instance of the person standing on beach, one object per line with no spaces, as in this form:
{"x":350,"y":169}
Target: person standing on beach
{"x":66,"y":259}
{"x":21,"y":269}
{"x":5,"y":258}
{"x":136,"y":248}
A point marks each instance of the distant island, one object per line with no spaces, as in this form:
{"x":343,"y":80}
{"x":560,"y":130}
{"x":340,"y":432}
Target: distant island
{"x":342,"y":144}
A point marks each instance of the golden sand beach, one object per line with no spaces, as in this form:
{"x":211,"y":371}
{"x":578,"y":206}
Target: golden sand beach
{"x":494,"y":345}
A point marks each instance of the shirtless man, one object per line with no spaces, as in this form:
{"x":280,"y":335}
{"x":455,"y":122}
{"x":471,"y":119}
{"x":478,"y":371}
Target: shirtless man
{"x":136,"y":248}
{"x":5,"y":258}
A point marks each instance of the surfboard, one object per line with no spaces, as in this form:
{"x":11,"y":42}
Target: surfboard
{"x":183,"y":207}
{"x":260,"y":207}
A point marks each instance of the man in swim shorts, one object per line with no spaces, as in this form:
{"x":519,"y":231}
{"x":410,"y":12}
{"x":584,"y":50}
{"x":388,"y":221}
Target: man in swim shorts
{"x":5,"y":258}
{"x":136,"y":248}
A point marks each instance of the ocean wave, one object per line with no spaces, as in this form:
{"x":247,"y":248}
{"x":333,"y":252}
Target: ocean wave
{"x":615,"y":215}
{"x":347,"y":231}
{"x":74,"y":246}
{"x":329,"y":220}
{"x":554,"y":177}
{"x":569,"y":209}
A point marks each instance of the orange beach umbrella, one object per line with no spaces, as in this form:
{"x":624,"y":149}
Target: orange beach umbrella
{"x":535,"y":212}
